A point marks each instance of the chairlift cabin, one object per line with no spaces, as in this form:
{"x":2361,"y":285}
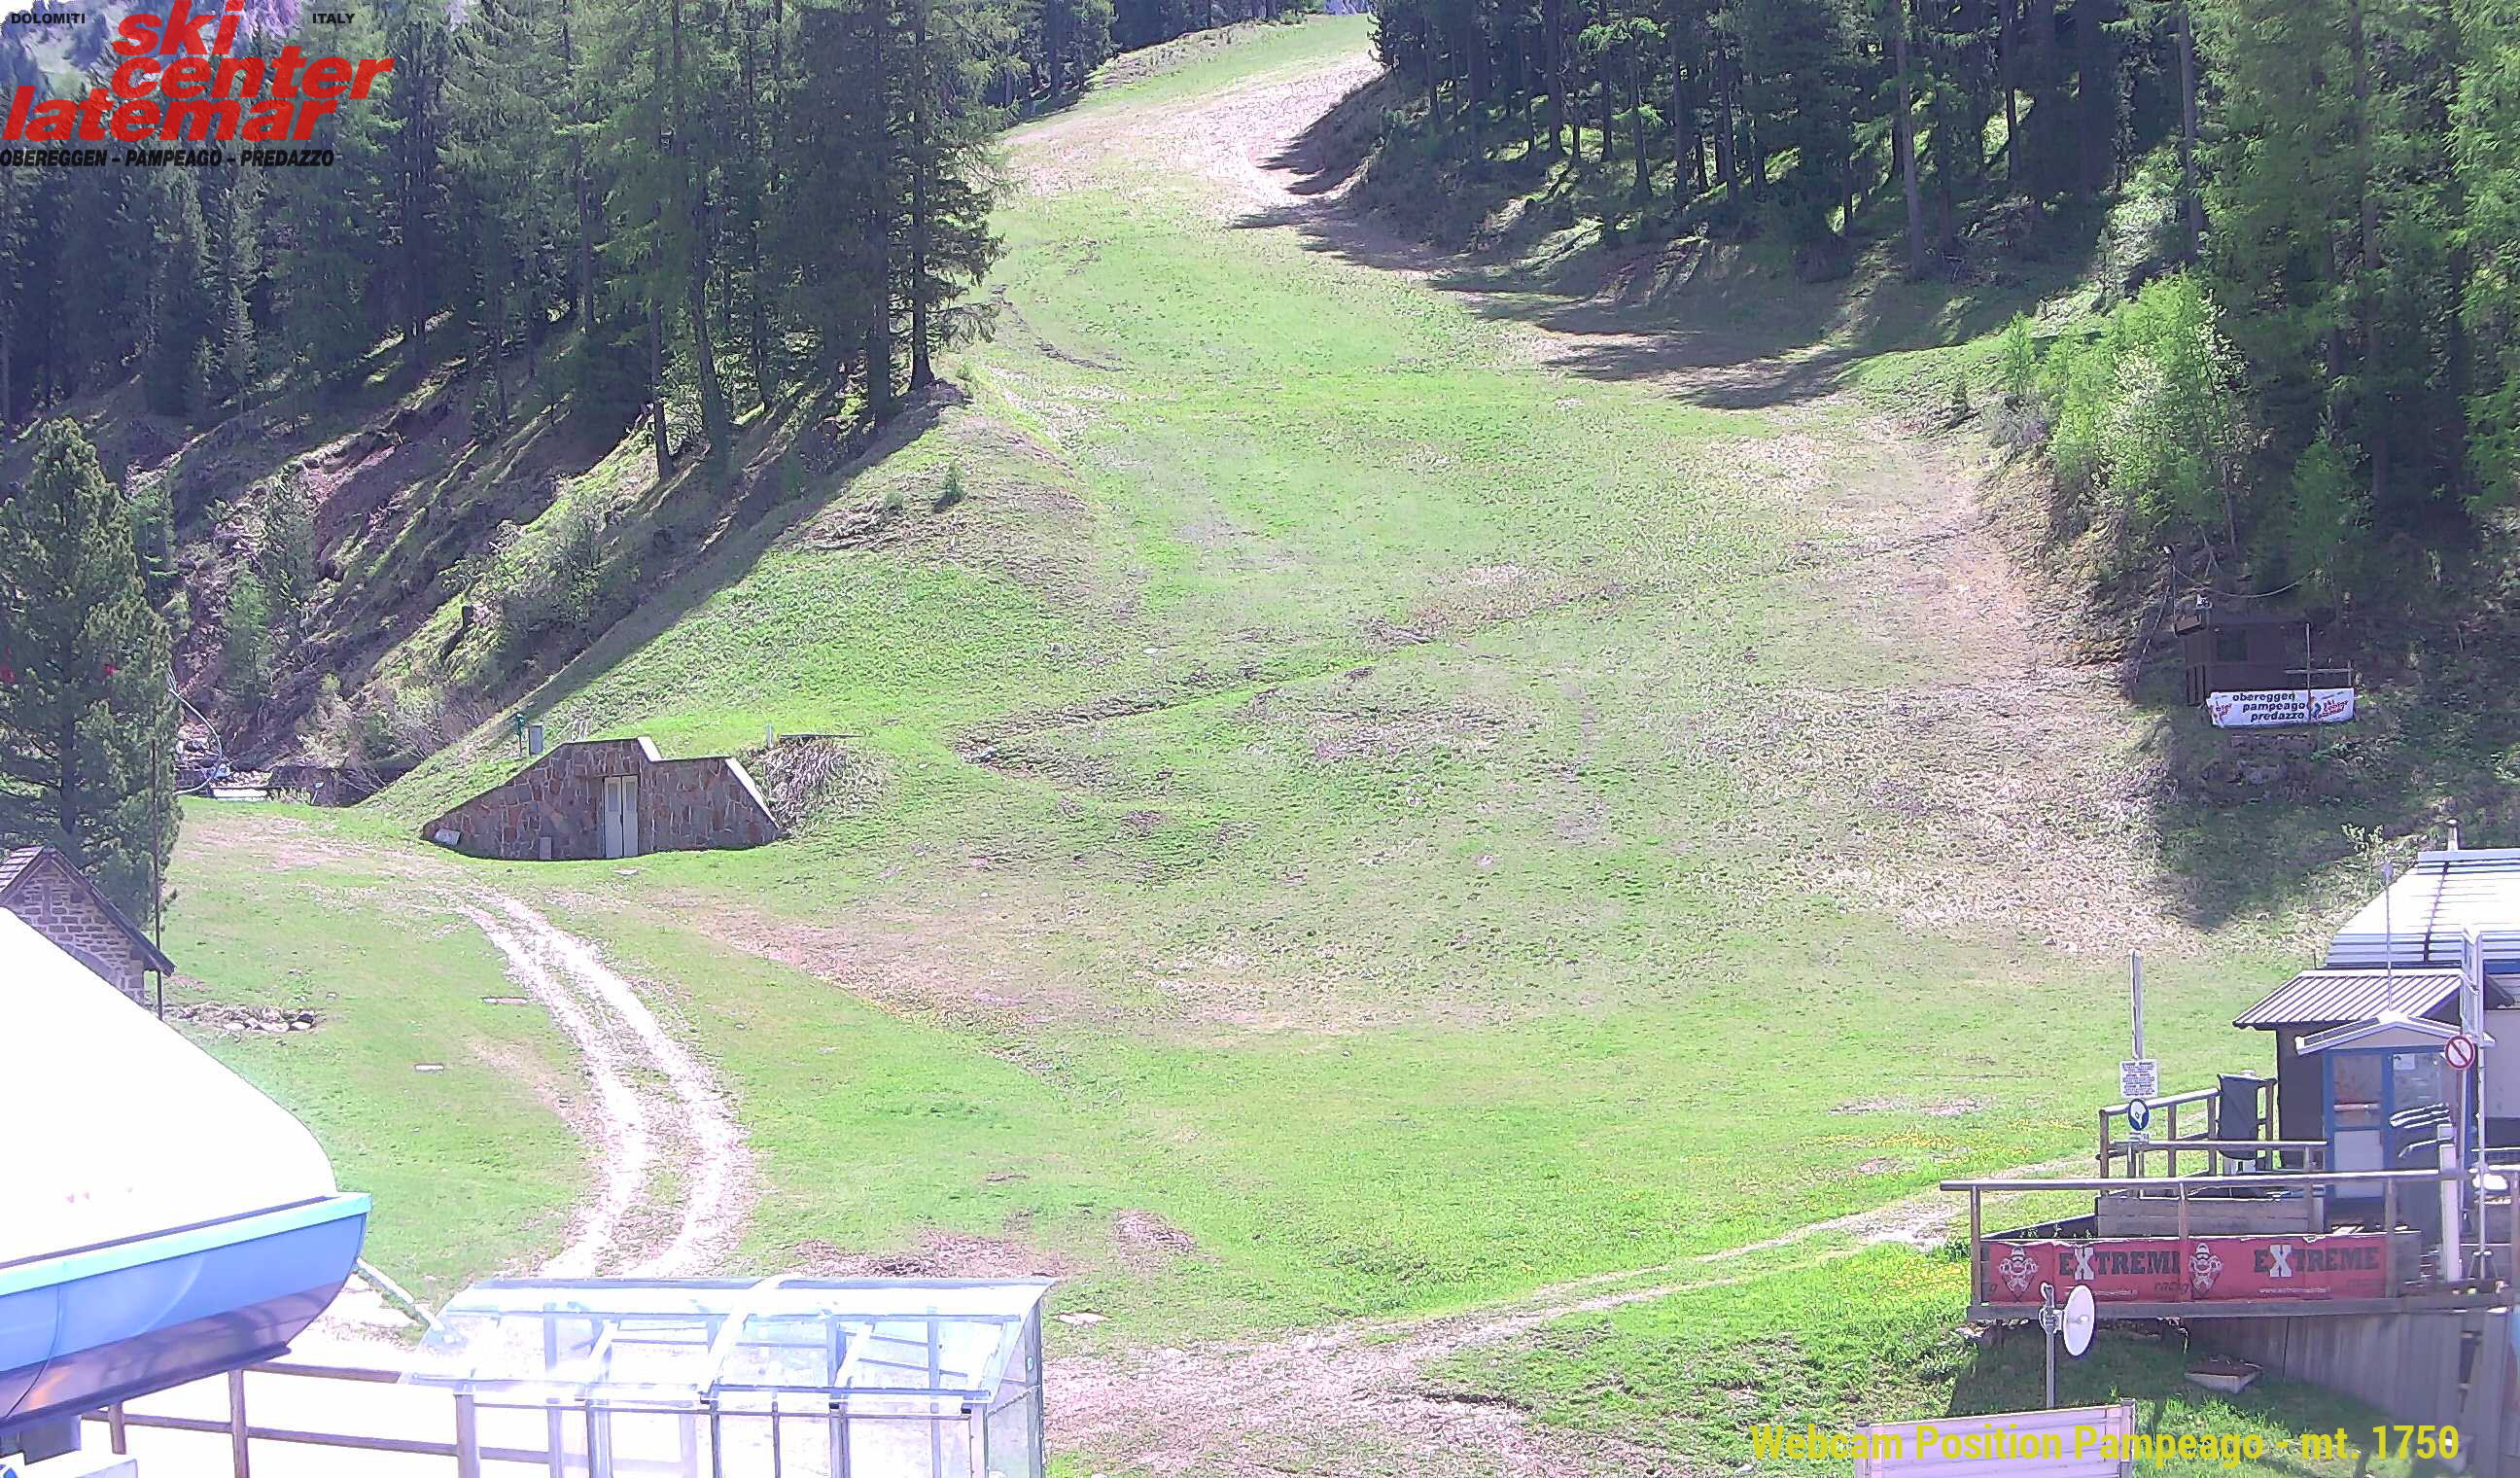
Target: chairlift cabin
{"x":783,"y":1377}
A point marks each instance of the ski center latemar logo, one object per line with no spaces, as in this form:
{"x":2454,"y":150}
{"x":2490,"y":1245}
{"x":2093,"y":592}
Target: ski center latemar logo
{"x":178,"y":82}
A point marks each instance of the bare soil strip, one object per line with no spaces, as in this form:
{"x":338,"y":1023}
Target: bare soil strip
{"x":657,"y":1108}
{"x":1353,"y":1400}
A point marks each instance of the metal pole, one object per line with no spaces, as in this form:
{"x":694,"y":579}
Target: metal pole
{"x":2047,"y":1336}
{"x":157,"y":842}
{"x":1978,"y":1254}
{"x":2388,"y":1231}
{"x":2451,"y":1269}
{"x":467,"y":1437}
{"x":240,"y":1460}
{"x":2388,"y":939}
{"x":2136,"y":960}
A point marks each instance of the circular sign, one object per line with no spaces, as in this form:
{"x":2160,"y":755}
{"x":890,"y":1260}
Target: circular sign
{"x":2459,"y":1052}
{"x":2139,"y":1114}
{"x":2081,"y":1318}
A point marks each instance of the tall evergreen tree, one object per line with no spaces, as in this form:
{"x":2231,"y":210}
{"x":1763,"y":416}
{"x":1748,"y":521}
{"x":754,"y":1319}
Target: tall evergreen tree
{"x":943,"y":132}
{"x":86,"y":721}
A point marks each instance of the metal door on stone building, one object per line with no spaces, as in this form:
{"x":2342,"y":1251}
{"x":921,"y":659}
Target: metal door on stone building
{"x":621,"y":816}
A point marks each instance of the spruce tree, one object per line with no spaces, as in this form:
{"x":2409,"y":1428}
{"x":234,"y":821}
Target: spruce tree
{"x":286,"y":561}
{"x":86,"y":719}
{"x":944,"y":132}
{"x":182,"y":312}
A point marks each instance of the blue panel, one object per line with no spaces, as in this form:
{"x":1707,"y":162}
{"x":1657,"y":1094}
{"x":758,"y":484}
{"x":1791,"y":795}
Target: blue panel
{"x":141,"y":1315}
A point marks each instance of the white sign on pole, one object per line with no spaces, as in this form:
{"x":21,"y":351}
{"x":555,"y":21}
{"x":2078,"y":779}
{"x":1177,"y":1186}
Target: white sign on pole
{"x":2278,"y":707}
{"x":2459,"y":1052}
{"x":2139,"y":1078}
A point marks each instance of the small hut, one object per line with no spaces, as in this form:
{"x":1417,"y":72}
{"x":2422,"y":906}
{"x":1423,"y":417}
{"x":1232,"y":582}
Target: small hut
{"x":610,"y":798}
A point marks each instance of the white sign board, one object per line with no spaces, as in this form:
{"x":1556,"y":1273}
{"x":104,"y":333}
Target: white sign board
{"x":2275,"y":708}
{"x":2139,"y":1078}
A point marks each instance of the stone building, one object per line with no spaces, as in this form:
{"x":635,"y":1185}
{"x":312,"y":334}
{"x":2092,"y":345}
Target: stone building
{"x":56,"y":899}
{"x":610,"y":798}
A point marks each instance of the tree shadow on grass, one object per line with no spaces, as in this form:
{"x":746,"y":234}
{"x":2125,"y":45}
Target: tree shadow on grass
{"x":1723,"y":323}
{"x":733,"y":553}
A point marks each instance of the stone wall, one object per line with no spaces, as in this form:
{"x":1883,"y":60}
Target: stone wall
{"x":553,"y":808}
{"x":57,"y":905}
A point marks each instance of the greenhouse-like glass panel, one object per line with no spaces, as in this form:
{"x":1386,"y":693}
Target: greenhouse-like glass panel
{"x":787,"y":1377}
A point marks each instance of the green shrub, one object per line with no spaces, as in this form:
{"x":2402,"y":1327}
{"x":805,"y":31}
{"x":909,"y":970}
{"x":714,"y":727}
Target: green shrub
{"x":2016,"y":361}
{"x":244,"y":659}
{"x":2146,"y":419}
{"x":2318,"y":519}
{"x":557,"y":581}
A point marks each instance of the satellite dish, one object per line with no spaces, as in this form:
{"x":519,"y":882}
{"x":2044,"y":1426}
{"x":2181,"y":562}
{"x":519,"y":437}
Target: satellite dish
{"x":2079,"y":1319}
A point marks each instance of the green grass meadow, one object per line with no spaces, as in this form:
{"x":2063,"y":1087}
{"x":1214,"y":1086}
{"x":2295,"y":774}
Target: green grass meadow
{"x":1330,"y":795}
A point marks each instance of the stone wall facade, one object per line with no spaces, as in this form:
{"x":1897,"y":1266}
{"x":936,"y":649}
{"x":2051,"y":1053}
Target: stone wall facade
{"x":58,"y":904}
{"x":552,"y":809}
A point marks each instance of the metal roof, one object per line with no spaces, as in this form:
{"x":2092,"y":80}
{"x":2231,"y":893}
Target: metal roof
{"x":2322,"y":996}
{"x":2397,"y":1026}
{"x":2422,"y":919}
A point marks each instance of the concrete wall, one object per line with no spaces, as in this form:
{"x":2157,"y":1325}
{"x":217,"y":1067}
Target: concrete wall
{"x":553,"y":808}
{"x":2407,"y":1365}
{"x":57,"y":905}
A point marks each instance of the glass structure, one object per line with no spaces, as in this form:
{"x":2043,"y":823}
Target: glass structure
{"x":784,"y":1377}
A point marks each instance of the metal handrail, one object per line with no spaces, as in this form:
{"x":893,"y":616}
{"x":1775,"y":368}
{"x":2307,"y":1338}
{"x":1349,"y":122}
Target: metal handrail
{"x":2388,"y":1181}
{"x":2170,"y":1142}
{"x":466,"y":1448}
{"x":2197,"y":1182}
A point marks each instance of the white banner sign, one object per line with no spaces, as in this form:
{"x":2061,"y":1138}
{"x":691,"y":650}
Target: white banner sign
{"x":2274,"y":707}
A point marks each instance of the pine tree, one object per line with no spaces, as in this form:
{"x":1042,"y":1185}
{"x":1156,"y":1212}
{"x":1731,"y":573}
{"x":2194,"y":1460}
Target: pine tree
{"x":182,"y":312}
{"x":944,"y":133}
{"x":286,"y":561}
{"x":327,"y":245}
{"x":414,"y":94}
{"x":1804,"y":55}
{"x":86,"y":723}
{"x":822,"y":227}
{"x":246,"y":657}
{"x":15,"y":190}
{"x":2484,"y":123}
{"x":235,"y":263}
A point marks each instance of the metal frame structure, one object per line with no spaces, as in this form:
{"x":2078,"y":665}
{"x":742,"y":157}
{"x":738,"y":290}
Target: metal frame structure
{"x":785,"y":1377}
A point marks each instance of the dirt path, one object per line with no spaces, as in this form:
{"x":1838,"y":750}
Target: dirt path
{"x":1355,"y":1400}
{"x":671,"y":1178}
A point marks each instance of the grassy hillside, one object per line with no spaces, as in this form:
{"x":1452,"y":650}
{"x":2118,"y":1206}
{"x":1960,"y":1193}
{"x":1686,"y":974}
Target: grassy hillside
{"x":1382,"y":787}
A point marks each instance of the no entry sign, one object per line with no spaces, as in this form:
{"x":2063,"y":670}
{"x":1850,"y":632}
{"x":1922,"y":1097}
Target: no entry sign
{"x":2459,"y":1052}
